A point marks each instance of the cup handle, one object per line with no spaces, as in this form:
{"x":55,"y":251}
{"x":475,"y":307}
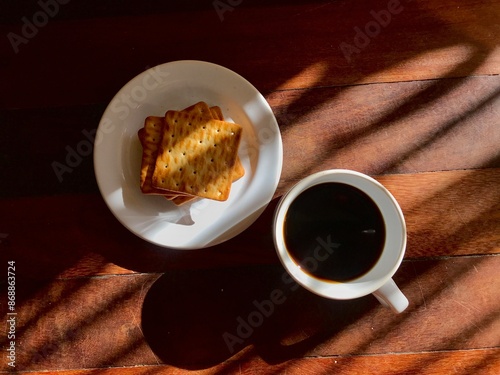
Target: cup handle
{"x":390,"y":296}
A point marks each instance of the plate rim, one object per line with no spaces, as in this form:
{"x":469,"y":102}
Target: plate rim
{"x":101,"y":168}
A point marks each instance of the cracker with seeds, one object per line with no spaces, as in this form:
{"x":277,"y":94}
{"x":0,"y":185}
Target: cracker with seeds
{"x":197,"y":154}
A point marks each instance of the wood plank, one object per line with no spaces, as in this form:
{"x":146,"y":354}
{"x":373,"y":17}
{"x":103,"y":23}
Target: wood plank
{"x":421,"y":40}
{"x":406,"y":91}
{"x":183,"y":319}
{"x":477,"y":362}
{"x":447,"y":213}
{"x":390,"y":128}
{"x":67,"y":136}
{"x":456,"y":362}
{"x":406,"y":127}
{"x":452,"y":213}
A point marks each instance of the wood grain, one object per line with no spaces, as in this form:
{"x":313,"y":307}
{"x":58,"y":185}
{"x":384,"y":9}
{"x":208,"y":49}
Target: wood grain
{"x":180,"y":318}
{"x":78,"y":236}
{"x":480,"y":362}
{"x":422,"y":40}
{"x":449,"y":201}
{"x":390,"y":128}
{"x":404,"y":127}
{"x":405,"y":91}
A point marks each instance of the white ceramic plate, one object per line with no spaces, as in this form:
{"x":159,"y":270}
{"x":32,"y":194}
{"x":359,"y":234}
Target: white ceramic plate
{"x":117,"y":154}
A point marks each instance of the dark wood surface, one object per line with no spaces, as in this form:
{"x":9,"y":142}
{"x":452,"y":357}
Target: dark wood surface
{"x":416,"y":105}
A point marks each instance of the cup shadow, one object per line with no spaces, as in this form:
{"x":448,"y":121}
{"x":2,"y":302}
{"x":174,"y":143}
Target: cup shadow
{"x":196,"y":319}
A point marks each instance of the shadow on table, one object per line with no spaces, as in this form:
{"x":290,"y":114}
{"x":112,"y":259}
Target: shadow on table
{"x":199,"y":318}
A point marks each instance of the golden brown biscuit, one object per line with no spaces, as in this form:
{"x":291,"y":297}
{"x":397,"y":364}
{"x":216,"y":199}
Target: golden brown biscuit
{"x":197,"y":154}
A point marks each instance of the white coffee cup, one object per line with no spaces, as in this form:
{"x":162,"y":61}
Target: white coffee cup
{"x":378,"y":280}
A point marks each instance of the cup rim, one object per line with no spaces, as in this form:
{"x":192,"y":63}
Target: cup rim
{"x":395,"y":241}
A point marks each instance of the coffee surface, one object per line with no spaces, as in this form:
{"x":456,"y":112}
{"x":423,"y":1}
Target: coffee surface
{"x":334,"y":231}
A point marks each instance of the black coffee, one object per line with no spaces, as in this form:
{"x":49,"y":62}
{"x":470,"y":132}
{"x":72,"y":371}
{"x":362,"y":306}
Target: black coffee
{"x":334,"y":231}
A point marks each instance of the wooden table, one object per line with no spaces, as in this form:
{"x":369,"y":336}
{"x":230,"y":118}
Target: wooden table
{"x":406,"y":91}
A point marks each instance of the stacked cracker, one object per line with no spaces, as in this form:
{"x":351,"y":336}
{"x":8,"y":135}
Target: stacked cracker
{"x":190,"y":153}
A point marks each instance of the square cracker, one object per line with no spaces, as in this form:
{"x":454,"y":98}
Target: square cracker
{"x":197,"y":154}
{"x":150,"y":136}
{"x":238,"y":170}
